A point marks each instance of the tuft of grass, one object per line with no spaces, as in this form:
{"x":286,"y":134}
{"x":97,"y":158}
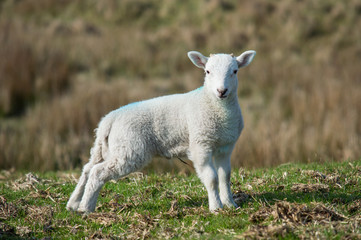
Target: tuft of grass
{"x":164,"y":206}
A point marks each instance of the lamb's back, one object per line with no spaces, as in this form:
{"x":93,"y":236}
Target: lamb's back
{"x":157,"y":125}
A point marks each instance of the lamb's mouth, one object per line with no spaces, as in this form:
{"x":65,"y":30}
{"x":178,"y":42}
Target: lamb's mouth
{"x":222,"y":96}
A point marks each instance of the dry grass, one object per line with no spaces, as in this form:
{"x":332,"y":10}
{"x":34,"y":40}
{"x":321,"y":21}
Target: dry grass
{"x":70,"y":63}
{"x":28,"y":73}
{"x":298,"y":220}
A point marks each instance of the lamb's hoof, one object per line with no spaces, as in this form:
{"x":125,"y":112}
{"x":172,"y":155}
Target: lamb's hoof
{"x":72,"y":207}
{"x":84,"y":211}
{"x":216,"y":211}
{"x":215,"y":206}
{"x":231,"y":206}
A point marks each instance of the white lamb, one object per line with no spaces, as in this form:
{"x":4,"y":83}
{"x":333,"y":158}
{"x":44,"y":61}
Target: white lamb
{"x":202,"y":125}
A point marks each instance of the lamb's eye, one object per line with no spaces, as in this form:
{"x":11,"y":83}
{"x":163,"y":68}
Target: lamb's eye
{"x":207,"y":71}
{"x":235,"y":71}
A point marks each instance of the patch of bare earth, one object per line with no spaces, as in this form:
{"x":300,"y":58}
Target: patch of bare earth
{"x":285,"y":218}
{"x":306,"y":188}
{"x":35,"y":215}
{"x":42,"y":215}
{"x":141,"y":226}
{"x":266,"y":231}
{"x":7,"y":210}
{"x":331,"y":178}
{"x":105,"y":219}
{"x":354,"y":207}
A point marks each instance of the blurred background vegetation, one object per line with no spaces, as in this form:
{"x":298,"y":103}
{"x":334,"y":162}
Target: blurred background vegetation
{"x":64,"y":64}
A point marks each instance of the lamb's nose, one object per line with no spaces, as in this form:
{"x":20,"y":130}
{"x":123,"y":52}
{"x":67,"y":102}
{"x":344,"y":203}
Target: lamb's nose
{"x":222,"y":92}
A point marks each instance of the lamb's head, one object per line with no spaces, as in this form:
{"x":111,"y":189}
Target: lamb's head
{"x":221,"y":71}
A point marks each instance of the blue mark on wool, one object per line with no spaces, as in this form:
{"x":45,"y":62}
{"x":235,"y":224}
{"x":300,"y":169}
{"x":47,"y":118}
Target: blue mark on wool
{"x":198,"y":89}
{"x":128,"y":106}
{"x":133,"y":104}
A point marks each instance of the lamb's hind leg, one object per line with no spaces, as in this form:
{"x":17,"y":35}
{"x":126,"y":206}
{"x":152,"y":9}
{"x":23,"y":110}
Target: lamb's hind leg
{"x":103,"y":172}
{"x":76,"y":196}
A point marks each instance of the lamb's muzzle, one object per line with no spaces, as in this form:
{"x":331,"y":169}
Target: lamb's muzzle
{"x":222,"y":93}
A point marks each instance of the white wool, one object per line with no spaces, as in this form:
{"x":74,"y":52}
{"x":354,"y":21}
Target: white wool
{"x":203,"y":125}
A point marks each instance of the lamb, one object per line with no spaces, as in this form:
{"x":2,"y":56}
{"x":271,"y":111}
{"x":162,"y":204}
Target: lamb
{"x":202,"y":125}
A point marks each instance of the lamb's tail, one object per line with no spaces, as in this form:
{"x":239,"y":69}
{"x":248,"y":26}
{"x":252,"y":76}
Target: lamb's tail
{"x":99,"y":151}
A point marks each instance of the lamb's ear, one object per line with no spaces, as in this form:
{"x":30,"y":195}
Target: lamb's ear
{"x":198,"y":59}
{"x":245,"y":58}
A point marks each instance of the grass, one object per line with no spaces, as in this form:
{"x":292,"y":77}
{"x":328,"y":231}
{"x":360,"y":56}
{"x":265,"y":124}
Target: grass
{"x":300,"y":96}
{"x":291,"y":201}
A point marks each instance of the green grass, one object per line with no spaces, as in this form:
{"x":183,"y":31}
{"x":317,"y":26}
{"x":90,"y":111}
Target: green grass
{"x":272,"y":205}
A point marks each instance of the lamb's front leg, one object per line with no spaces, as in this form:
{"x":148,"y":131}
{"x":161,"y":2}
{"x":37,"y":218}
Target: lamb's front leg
{"x":208,"y":175}
{"x":223,"y":166}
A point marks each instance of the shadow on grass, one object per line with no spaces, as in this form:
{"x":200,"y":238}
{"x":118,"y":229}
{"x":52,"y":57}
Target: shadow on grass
{"x":269,"y":198}
{"x":8,"y":232}
{"x":300,"y":197}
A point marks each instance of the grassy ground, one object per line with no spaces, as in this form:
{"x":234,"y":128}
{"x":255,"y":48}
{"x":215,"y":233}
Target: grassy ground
{"x":291,"y":201}
{"x":68,"y":63}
